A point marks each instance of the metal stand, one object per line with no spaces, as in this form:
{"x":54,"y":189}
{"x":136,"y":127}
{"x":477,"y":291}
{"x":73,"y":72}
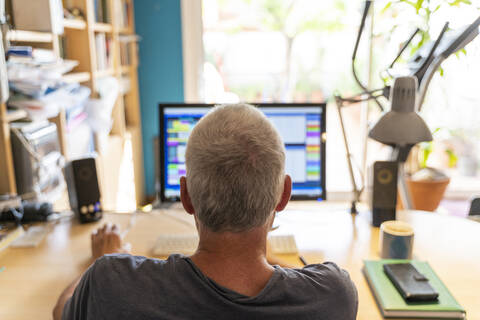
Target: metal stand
{"x":357,"y":192}
{"x":341,"y":103}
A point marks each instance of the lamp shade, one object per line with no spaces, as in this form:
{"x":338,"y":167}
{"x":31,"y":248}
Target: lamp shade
{"x":401,"y":125}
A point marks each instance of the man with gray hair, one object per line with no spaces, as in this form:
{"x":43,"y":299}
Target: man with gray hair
{"x":234,"y":186}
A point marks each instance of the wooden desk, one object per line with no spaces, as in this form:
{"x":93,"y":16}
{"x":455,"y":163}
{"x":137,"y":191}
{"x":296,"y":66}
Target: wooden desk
{"x":33,"y":278}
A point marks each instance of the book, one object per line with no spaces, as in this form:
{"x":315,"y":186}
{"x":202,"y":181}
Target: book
{"x":121,"y":13}
{"x":125,"y":43}
{"x":101,"y":50}
{"x":391,"y":303}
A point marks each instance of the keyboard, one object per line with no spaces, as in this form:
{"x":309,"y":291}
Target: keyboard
{"x":175,"y":243}
{"x":283,"y":244}
{"x":187,"y":244}
{"x":32,"y":237}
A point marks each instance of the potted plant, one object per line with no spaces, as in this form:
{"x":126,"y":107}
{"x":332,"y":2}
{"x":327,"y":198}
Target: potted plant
{"x":427,"y":185}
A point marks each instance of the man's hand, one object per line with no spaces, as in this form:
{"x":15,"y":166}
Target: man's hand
{"x":107,"y":240}
{"x":104,"y":240}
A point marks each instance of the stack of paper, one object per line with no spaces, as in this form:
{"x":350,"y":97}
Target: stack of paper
{"x":35,"y":77}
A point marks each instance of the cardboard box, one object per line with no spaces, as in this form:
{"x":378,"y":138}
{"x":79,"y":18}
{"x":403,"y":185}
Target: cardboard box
{"x":38,"y":15}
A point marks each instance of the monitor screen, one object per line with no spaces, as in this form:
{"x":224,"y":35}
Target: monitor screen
{"x":301,"y":126}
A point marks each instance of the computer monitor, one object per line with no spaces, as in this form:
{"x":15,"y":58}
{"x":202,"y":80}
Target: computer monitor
{"x":301,"y":126}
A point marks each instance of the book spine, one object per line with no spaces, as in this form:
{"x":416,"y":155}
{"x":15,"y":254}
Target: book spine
{"x":96,"y":10}
{"x":101,"y":51}
{"x":105,"y":12}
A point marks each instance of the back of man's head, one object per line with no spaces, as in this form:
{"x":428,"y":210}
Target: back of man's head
{"x":235,"y":163}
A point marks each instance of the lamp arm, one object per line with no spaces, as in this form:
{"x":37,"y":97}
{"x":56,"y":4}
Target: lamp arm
{"x":465,"y":38}
{"x":361,"y":97}
{"x":365,"y":89}
{"x":357,"y":192}
{"x":420,"y":73}
{"x":422,"y":90}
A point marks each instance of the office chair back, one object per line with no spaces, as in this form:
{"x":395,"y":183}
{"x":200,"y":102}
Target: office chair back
{"x":474,"y":207}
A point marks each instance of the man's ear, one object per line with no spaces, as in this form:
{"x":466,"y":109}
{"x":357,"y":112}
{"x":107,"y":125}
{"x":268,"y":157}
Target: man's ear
{"x":287,"y":192}
{"x":185,"y":197}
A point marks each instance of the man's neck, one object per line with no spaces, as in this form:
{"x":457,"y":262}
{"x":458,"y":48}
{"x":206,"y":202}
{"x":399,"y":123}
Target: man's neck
{"x":235,"y":260}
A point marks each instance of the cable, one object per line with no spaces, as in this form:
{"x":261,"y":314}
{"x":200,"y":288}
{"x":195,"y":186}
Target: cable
{"x":354,"y":55}
{"x":362,"y":25}
{"x":404,"y":46}
{"x":369,"y":96}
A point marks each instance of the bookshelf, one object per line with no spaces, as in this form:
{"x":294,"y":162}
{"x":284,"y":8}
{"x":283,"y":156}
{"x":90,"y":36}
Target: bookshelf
{"x":74,"y":24}
{"x":30,"y":36}
{"x":77,"y":77}
{"x":80,"y":42}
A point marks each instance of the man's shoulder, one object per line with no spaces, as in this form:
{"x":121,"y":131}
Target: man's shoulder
{"x":325,"y":275}
{"x":134,"y":261}
{"x":326,"y":270}
{"x":325,"y":282}
{"x":124,"y":266}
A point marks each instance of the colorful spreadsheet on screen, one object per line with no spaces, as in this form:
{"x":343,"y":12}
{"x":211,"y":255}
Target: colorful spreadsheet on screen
{"x":300,"y":128}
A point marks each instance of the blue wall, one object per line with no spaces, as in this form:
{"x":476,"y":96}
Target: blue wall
{"x":160,"y":73}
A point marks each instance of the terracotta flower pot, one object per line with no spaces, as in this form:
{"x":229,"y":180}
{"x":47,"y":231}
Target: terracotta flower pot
{"x":427,"y":194}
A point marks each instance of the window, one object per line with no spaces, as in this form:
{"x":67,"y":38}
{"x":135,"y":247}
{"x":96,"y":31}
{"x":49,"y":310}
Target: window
{"x":300,"y":51}
{"x":277,"y":50}
{"x":281,"y":51}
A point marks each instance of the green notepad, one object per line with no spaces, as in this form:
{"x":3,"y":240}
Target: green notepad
{"x":391,"y":303}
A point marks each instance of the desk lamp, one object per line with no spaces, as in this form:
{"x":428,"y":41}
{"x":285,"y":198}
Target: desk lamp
{"x":401,"y":128}
{"x":421,"y":67}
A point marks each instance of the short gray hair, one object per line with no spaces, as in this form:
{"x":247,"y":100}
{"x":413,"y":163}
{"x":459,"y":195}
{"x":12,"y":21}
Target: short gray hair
{"x":235,"y":163}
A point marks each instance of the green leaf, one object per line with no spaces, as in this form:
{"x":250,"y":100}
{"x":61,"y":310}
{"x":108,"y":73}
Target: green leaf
{"x":457,"y":3}
{"x":452,"y":158}
{"x":413,"y":4}
{"x":418,"y":5}
{"x":440,"y":69}
{"x":388,"y":5}
{"x":426,"y":149}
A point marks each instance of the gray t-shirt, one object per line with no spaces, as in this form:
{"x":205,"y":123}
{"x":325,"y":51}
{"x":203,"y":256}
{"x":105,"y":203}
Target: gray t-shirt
{"x":132,"y":287}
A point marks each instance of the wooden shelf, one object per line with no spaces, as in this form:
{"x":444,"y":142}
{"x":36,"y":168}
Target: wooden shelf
{"x":77,"y":77}
{"x":74,"y":24}
{"x":16,"y":115}
{"x":125,"y":69}
{"x":104,"y":73}
{"x":79,"y":43}
{"x":29,"y":36}
{"x":125,"y":30}
{"x":102,"y":27}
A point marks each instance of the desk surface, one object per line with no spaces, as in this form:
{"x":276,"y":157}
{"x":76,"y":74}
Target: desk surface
{"x":34,"y":277}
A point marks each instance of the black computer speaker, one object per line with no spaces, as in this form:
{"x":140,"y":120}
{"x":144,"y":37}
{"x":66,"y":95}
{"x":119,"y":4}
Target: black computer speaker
{"x":83,"y":189}
{"x":384,"y":195}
